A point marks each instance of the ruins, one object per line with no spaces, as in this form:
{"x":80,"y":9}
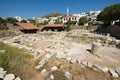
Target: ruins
{"x":81,"y":47}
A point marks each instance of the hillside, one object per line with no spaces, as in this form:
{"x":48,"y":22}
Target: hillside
{"x":54,"y":15}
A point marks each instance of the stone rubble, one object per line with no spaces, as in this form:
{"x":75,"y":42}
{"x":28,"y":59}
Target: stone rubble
{"x":9,"y":77}
{"x":17,"y":78}
{"x":103,"y":69}
{"x":68,"y":75}
{"x":43,"y":61}
{"x":5,"y":76}
{"x":78,"y":61}
{"x":113,"y":73}
{"x":61,"y":46}
{"x":52,"y":77}
{"x":44,"y":73}
{"x":73,"y":61}
{"x":90,"y":65}
{"x":84,"y":63}
{"x":54,"y":68}
{"x":117,"y":70}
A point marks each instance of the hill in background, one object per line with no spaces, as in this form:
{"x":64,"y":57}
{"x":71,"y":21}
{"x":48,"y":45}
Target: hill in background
{"x":54,"y":15}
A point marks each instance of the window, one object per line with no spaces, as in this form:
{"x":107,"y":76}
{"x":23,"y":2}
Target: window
{"x":72,"y":18}
{"x":75,"y":18}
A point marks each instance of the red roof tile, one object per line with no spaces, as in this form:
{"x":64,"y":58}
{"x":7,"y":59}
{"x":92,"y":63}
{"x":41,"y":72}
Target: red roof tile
{"x":27,"y":26}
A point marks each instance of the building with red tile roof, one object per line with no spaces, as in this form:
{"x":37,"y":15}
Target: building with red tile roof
{"x":53,"y":27}
{"x":27,"y":27}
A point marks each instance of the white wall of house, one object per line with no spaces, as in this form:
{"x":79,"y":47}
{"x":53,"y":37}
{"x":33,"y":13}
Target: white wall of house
{"x":52,"y":20}
{"x":40,"y":20}
{"x":93,"y":15}
{"x":72,"y":18}
{"x":18,"y":18}
{"x":80,"y":15}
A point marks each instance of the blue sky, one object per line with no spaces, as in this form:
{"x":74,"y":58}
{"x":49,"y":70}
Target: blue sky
{"x":37,"y":8}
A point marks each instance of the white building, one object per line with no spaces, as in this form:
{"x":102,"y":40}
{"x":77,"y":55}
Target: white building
{"x":71,"y":18}
{"x":52,"y":20}
{"x":95,"y":12}
{"x":18,"y":18}
{"x":40,"y":20}
{"x":80,"y":15}
{"x":74,"y":17}
{"x":93,"y":15}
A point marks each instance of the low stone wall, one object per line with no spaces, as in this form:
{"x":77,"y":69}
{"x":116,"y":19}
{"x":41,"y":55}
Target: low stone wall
{"x":113,"y":73}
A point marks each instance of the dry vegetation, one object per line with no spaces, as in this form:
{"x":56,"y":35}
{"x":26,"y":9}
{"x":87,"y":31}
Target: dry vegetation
{"x":18,"y":62}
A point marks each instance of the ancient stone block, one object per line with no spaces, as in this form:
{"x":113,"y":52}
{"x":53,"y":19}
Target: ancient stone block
{"x":9,"y":77}
{"x":68,"y":75}
{"x":113,"y":73}
{"x":117,"y":70}
{"x":54,"y":68}
{"x":96,"y":48}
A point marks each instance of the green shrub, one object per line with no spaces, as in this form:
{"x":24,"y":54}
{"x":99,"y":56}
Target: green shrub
{"x":67,"y":28}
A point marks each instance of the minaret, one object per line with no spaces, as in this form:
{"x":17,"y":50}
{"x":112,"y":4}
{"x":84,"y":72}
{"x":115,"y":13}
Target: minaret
{"x":67,"y":11}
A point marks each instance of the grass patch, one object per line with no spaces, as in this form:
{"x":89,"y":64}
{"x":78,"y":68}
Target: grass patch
{"x":13,"y":59}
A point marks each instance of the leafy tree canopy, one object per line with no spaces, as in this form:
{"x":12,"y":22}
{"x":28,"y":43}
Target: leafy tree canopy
{"x":32,"y":21}
{"x":1,"y":20}
{"x":69,"y":22}
{"x":23,"y":21}
{"x":58,"y":21}
{"x":83,"y":20}
{"x":109,"y":14}
{"x":2,"y":23}
{"x":11,"y":20}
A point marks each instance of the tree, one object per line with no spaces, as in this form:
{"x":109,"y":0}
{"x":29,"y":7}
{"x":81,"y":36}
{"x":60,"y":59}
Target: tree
{"x":23,"y":21}
{"x":2,"y":23}
{"x":39,"y":24}
{"x":58,"y":21}
{"x":71,"y":22}
{"x":45,"y":22}
{"x":1,"y":20}
{"x":83,"y":20}
{"x":68,"y":23}
{"x":110,"y":14}
{"x":32,"y":21}
{"x":11,"y":20}
{"x":67,"y":28}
